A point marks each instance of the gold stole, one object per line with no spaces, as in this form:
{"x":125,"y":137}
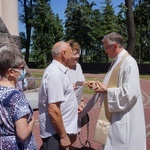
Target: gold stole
{"x":104,"y":119}
{"x":111,"y":84}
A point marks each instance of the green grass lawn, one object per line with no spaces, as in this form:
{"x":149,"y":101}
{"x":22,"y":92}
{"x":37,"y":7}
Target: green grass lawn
{"x":38,"y":73}
{"x":146,"y":77}
{"x":87,"y":90}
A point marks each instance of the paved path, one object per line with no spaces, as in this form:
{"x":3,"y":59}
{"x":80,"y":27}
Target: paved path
{"x":145,"y":85}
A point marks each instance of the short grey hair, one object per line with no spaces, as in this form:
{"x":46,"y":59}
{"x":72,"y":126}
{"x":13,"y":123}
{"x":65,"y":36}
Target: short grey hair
{"x":114,"y":37}
{"x":56,"y":51}
{"x":58,"y":48}
{"x":9,"y":58}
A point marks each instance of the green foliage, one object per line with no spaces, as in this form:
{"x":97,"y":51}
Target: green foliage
{"x":85,"y":25}
{"x":79,"y":24}
{"x":142,"y":21}
{"x":22,"y":39}
{"x":109,"y":18}
{"x":121,"y":23}
{"x":25,"y":18}
{"x":88,"y":26}
{"x":47,"y":31}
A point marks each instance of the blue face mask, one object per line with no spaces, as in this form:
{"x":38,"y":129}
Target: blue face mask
{"x":22,"y":75}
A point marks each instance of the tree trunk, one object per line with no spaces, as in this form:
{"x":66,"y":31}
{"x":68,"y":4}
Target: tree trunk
{"x":130,"y":27}
{"x":28,"y":28}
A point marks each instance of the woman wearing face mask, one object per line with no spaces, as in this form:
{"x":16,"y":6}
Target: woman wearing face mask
{"x":23,"y":83}
{"x":16,"y":115}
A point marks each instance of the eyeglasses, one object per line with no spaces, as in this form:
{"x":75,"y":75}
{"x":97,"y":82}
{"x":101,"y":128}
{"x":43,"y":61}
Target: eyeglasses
{"x":108,"y":47}
{"x":19,"y":68}
{"x":22,"y":68}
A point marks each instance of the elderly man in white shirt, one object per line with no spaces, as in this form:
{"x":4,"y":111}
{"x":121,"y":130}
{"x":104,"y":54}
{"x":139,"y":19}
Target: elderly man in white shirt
{"x":58,"y":109}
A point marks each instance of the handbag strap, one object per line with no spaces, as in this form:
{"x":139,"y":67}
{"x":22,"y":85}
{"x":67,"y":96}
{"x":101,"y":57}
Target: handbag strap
{"x":87,"y":140}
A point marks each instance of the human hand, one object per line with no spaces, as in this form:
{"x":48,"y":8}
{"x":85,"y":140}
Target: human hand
{"x":90,"y":84}
{"x":74,"y":86}
{"x":100,"y":87}
{"x":65,"y":141}
{"x":80,"y":107}
{"x":32,"y":120}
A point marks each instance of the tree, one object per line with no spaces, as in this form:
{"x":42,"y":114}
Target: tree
{"x":142,"y":21}
{"x":130,"y":27}
{"x":121,"y":22}
{"x":47,"y":30}
{"x":25,"y":37}
{"x":98,"y":33}
{"x":78,"y":24}
{"x":25,"y":18}
{"x":23,"y":40}
{"x":109,"y":19}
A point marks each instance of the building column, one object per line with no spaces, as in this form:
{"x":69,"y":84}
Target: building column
{"x":1,"y":8}
{"x":10,"y":16}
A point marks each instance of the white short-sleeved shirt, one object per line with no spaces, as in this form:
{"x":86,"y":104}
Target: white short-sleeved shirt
{"x":76,"y":74}
{"x":56,"y":87}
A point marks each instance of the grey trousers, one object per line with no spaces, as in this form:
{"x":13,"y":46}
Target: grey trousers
{"x":53,"y":142}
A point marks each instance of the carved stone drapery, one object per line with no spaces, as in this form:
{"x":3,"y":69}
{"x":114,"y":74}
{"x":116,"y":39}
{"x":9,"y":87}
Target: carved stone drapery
{"x":14,"y":42}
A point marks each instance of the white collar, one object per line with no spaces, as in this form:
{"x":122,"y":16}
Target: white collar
{"x":119,"y":56}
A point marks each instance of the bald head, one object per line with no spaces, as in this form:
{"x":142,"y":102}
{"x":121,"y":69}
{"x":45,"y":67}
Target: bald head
{"x":58,"y":48}
{"x":62,"y":52}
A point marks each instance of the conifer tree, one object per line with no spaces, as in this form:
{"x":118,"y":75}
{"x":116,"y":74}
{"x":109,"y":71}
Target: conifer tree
{"x":47,"y":31}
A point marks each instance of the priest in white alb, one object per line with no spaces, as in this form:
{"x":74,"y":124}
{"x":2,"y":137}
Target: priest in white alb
{"x":120,"y":93}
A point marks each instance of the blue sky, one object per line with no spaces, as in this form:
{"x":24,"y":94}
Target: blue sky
{"x":59,"y":6}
